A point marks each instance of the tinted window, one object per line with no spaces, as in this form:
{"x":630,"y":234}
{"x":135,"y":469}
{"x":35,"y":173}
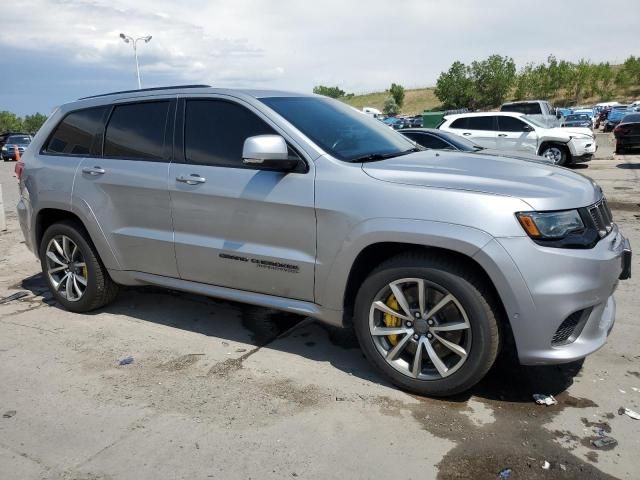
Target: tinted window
{"x":480,"y":123}
{"x":427,"y":140}
{"x":510,"y":124}
{"x":137,"y":131}
{"x":19,"y":139}
{"x":460,"y":123}
{"x":526,"y":108}
{"x":75,"y":134}
{"x":631,"y":118}
{"x":339,"y":129}
{"x":215,"y":132}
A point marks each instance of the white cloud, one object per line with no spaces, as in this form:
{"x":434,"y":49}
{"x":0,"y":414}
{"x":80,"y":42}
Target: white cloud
{"x":295,"y":44}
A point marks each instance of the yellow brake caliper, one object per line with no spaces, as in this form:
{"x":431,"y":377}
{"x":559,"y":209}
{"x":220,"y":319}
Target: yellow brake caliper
{"x":390,"y":320}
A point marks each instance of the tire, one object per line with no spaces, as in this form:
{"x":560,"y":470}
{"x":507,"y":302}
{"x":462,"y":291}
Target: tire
{"x":446,"y":277}
{"x":558,"y":153}
{"x":619,"y":149}
{"x":99,"y":289}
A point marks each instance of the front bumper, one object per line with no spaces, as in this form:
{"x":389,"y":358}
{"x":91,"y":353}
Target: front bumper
{"x":553,"y":284}
{"x":582,"y":150}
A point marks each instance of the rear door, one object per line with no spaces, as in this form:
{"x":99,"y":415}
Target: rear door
{"x":479,"y":128}
{"x":125,"y":188}
{"x":513,"y":135}
{"x":235,"y":226}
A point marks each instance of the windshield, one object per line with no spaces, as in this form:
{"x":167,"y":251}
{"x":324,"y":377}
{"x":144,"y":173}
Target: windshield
{"x":338,"y":129}
{"x":19,"y":139}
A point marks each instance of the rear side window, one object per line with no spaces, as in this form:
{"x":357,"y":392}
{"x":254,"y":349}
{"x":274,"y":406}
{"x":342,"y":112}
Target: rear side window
{"x":460,"y":123}
{"x":480,"y":123}
{"x":215,"y":131}
{"x":74,"y":135}
{"x":526,"y":108}
{"x":137,"y":131}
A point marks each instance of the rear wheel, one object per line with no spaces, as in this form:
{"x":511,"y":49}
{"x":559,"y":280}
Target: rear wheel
{"x":619,"y":148}
{"x":73,"y":270}
{"x":427,"y":324}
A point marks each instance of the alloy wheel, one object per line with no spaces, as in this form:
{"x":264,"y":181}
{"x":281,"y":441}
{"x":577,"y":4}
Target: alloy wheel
{"x":420,"y":329}
{"x":66,"y":268}
{"x":554,"y":154}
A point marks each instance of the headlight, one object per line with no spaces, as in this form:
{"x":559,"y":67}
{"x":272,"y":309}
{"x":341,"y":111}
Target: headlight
{"x":4,"y":148}
{"x":550,"y":225}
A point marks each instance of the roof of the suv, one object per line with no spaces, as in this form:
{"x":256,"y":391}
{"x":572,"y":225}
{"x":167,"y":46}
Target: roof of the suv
{"x":483,"y":114}
{"x":523,"y":101}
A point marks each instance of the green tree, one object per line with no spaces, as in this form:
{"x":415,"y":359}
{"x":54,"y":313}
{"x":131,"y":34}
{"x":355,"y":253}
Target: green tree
{"x":454,"y":88}
{"x":390,"y":106}
{"x":333,"y":92}
{"x":397,"y":92}
{"x":632,"y":68}
{"x":493,"y":79}
{"x":10,"y":122}
{"x":32,"y":123}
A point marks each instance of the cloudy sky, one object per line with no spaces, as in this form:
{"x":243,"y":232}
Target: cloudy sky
{"x":54,"y":51}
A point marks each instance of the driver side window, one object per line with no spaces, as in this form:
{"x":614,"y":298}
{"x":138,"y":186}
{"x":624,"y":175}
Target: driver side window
{"x":511,"y":124}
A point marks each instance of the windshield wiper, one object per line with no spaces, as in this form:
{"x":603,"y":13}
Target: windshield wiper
{"x":374,"y":157}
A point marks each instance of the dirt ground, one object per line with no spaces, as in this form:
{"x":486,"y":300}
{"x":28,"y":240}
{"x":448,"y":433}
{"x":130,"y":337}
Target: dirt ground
{"x":221,"y":390}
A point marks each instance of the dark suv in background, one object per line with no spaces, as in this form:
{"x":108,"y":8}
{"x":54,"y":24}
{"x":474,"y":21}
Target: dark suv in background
{"x":12,"y":144}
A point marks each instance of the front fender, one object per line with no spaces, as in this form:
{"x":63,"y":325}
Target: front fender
{"x":332,"y":274}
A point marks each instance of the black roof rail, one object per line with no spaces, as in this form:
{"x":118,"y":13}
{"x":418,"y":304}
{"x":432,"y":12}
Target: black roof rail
{"x":145,"y":90}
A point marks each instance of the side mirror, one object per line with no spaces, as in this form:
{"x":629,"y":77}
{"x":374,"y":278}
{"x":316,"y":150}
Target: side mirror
{"x":268,"y":152}
{"x":558,"y":115}
{"x":527,"y":128}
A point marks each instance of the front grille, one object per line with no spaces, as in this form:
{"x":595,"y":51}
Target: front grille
{"x":601,"y":216}
{"x":569,"y":330}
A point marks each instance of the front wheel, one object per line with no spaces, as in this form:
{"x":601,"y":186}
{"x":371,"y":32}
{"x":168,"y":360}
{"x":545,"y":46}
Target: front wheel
{"x":427,"y":324}
{"x":619,"y":149}
{"x":555,"y":153}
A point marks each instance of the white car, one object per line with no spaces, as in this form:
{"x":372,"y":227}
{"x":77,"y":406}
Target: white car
{"x":515,"y":131}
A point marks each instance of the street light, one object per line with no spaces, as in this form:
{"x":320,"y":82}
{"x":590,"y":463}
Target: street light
{"x":134,"y":42}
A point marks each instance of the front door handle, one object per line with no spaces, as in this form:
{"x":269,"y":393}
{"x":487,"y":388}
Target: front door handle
{"x":192,"y":179}
{"x":466,"y":134}
{"x":93,"y":170}
{"x":502,"y":134}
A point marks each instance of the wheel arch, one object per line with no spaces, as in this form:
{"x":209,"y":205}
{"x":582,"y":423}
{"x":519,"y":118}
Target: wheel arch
{"x":47,"y":216}
{"x":556,"y":143}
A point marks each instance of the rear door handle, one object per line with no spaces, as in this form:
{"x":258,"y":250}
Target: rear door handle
{"x":93,"y":170}
{"x":502,"y":134}
{"x":466,"y":134}
{"x":192,"y":179}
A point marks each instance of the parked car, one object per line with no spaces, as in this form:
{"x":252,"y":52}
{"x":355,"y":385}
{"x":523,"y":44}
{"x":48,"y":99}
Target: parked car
{"x":5,"y":135}
{"x":440,"y":140}
{"x":627,"y":133}
{"x":515,"y":131}
{"x":413,"y":122}
{"x":539,"y":109}
{"x":14,"y":145}
{"x":394,"y":122}
{"x":577,"y":120}
{"x":614,"y":117}
{"x":301,"y":203}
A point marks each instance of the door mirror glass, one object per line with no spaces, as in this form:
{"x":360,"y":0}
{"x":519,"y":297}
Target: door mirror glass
{"x":527,"y":128}
{"x":268,"y":152}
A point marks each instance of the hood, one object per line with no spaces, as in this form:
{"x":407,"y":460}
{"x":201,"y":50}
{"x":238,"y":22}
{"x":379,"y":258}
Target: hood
{"x":571,"y":131}
{"x":513,"y":154}
{"x":543,"y":186}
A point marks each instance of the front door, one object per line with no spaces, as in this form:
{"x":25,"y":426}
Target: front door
{"x":516,"y":135}
{"x":238,"y":227}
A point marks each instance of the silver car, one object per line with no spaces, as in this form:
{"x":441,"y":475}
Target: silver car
{"x":300,"y":203}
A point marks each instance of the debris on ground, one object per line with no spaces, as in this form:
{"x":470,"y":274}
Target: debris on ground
{"x":14,"y":296}
{"x":542,"y":399}
{"x":126,"y":361}
{"x":629,"y":413}
{"x":9,"y":414}
{"x":563,"y":468}
{"x":546,"y":465}
{"x":505,"y":474}
{"x":604,"y":442}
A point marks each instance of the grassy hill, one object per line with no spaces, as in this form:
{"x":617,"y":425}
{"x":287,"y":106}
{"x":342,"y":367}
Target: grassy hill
{"x":415,"y":100}
{"x":418,"y":100}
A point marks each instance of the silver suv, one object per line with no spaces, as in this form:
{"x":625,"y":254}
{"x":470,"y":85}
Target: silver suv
{"x":301,"y":203}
